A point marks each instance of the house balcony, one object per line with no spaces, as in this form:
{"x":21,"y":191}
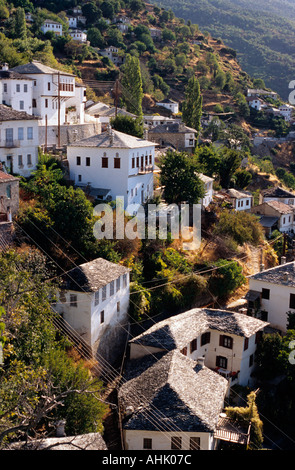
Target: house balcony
{"x":232,"y":377}
{"x":229,"y":430}
{"x":10,"y":144}
{"x":145,"y":169}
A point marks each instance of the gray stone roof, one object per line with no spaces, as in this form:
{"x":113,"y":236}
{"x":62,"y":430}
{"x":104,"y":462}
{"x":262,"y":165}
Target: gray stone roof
{"x":11,"y":75}
{"x":178,"y":331}
{"x":172,"y":128}
{"x":238,"y":194}
{"x":118,"y":140}
{"x":89,"y":277}
{"x":277,"y":192}
{"x":170,"y":392}
{"x":281,"y":275}
{"x":91,"y":441}
{"x":35,"y":67}
{"x":9,"y":114}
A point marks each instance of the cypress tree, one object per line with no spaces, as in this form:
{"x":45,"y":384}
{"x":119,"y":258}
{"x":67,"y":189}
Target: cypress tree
{"x":20,"y":27}
{"x":132,"y":85}
{"x":192,"y":105}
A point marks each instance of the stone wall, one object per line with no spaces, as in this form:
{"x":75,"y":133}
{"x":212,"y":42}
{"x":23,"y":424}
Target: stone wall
{"x":68,"y":133}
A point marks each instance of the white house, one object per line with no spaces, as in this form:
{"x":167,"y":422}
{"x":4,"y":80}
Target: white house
{"x":105,"y":113}
{"x":16,"y":90}
{"x":208,"y":187}
{"x":51,"y":90}
{"x":122,"y":23}
{"x":272,"y":294}
{"x":78,"y":35}
{"x":256,"y":103}
{"x":154,"y":120}
{"x":94,"y":300}
{"x":262,"y":93}
{"x":287,"y":111}
{"x":278,"y":194}
{"x":75,"y":107}
{"x":240,"y":200}
{"x":226,"y":340}
{"x":284,"y":214}
{"x":167,"y":103}
{"x":113,"y":54}
{"x":54,"y":26}
{"x":72,"y":21}
{"x":114,"y":163}
{"x":19,"y":141}
{"x":170,"y":402}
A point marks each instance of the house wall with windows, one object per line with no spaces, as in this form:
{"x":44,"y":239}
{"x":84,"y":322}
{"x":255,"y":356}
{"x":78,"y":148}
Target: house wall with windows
{"x":52,"y":26}
{"x":275,"y":301}
{"x":156,"y":440}
{"x":17,"y":93}
{"x":19,"y":141}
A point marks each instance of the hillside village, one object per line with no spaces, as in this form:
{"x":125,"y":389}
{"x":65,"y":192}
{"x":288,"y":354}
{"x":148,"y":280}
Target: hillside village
{"x":116,"y":339}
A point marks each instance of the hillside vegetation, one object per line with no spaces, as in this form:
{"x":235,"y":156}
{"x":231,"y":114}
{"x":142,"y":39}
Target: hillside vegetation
{"x":263,"y":33}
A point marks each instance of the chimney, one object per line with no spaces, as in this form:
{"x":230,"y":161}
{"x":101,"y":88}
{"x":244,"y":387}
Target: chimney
{"x":286,"y":277}
{"x":261,"y":267}
{"x":5,"y":66}
{"x":200,"y":361}
{"x":283,"y":260}
{"x":60,"y":428}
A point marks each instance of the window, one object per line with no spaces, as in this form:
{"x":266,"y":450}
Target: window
{"x":8,"y":191}
{"x":258,"y":337}
{"x":20,"y":160}
{"x":104,"y":293}
{"x":226,"y":341}
{"x":118,"y":284}
{"x":30,"y":133}
{"x":18,"y":88}
{"x":147,"y":443}
{"x":184,"y":351}
{"x":175,"y":443}
{"x":48,"y":86}
{"x":25,"y":88}
{"x":124,"y":280}
{"x":221,"y":362}
{"x":205,"y":338}
{"x":79,"y":178}
{"x":29,"y":159}
{"x":194,"y":443}
{"x":21,"y":105}
{"x":5,"y":87}
{"x":112,"y":287}
{"x":73,"y":300}
{"x":193,"y":345}
{"x":34,"y":103}
{"x":96,"y":298}
{"x":87,"y":161}
{"x":46,"y":103}
{"x":20,"y":133}
{"x":104,"y":162}
{"x":265,"y":294}
{"x":246,"y":344}
{"x":133,"y":162}
{"x":9,"y":135}
{"x":78,"y":161}
{"x":62,"y":297}
{"x":251,"y":360}
{"x":102,"y":316}
{"x":292,"y":301}
{"x":118,"y":307}
{"x":137,"y":162}
{"x":117,"y":162}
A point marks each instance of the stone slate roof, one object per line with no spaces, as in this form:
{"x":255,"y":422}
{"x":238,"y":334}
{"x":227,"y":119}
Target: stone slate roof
{"x":9,"y":114}
{"x":6,"y":178}
{"x":119,"y":140}
{"x":281,"y":207}
{"x":169,"y":392}
{"x":277,"y":192}
{"x":89,"y":277}
{"x":91,"y":441}
{"x":11,"y":75}
{"x":277,"y":275}
{"x":238,"y":194}
{"x":177,"y":331}
{"x":172,"y":128}
{"x":35,"y":67}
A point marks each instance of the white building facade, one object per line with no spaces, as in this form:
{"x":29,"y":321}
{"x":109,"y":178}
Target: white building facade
{"x":52,"y":26}
{"x":117,"y":162}
{"x":19,"y":141}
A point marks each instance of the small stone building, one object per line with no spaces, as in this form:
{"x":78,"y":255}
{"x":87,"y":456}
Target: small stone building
{"x":9,"y":196}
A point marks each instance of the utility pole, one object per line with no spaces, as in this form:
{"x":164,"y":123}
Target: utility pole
{"x":58,"y":98}
{"x":46,"y":130}
{"x":116,"y":97}
{"x":284,"y":244}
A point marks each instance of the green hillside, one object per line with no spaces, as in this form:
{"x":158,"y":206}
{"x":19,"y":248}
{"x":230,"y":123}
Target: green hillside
{"x":263,"y":33}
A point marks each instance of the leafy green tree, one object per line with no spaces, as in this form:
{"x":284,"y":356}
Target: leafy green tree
{"x":226,"y":279}
{"x":229,"y":163}
{"x":209,"y":160}
{"x":192,"y":105}
{"x":179,"y":178}
{"x":20,"y":26}
{"x":95,"y":37}
{"x":242,"y":226}
{"x":128,"y":125}
{"x":132,"y":85}
{"x":91,"y":12}
{"x":242,"y":178}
